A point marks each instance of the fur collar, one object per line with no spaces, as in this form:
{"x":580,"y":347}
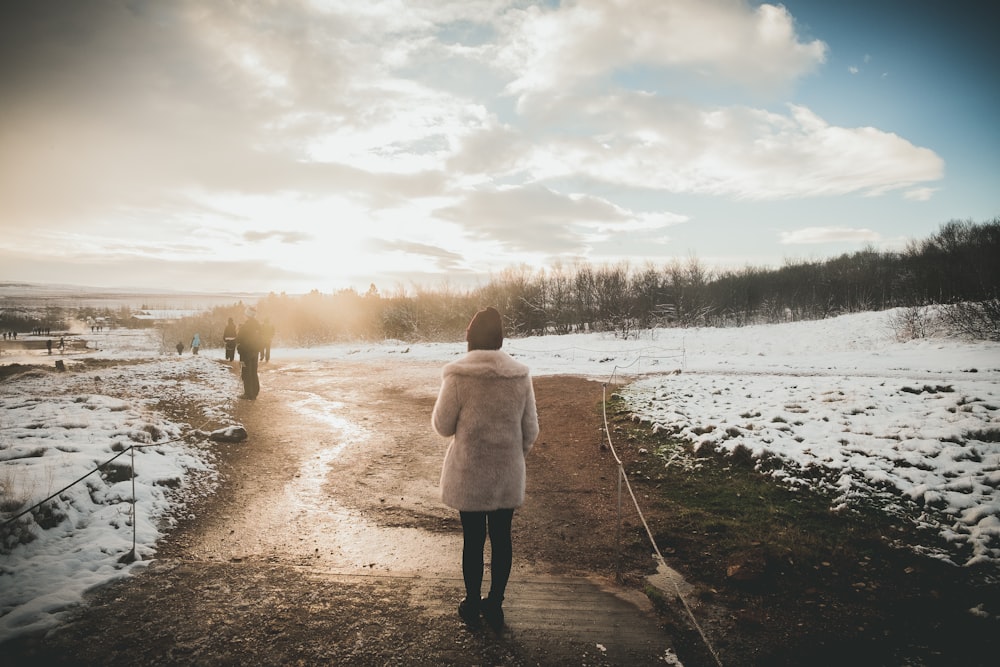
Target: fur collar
{"x":485,"y":363}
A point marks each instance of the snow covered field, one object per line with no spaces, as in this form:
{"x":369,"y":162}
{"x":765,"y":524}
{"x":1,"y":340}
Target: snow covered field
{"x":57,"y":427}
{"x":916,"y":424}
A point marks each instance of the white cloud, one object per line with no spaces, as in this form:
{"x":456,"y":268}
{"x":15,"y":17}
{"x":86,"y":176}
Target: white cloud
{"x":642,"y":222}
{"x":562,"y":49}
{"x":812,"y":235}
{"x":538,"y":219}
{"x":920,"y":194}
{"x":737,"y":151}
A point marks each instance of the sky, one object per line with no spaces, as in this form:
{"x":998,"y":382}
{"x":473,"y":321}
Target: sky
{"x":839,"y":403}
{"x":325,"y":144}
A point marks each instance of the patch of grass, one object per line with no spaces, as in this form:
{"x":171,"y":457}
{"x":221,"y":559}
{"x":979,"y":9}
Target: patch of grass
{"x":116,"y":472}
{"x":984,"y":435}
{"x":9,"y":502}
{"x":928,"y":389}
{"x":15,"y":487}
{"x":48,"y":515}
{"x":795,"y":581}
{"x":744,"y":511}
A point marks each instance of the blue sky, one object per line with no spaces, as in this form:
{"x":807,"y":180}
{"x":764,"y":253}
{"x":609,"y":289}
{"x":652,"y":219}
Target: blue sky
{"x":321,"y":144}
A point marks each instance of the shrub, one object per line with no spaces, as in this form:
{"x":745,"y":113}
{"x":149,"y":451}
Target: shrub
{"x":913,"y":323}
{"x":979,"y":320}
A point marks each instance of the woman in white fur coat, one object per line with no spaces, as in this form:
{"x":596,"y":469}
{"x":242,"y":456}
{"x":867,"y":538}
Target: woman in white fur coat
{"x":487,"y":403}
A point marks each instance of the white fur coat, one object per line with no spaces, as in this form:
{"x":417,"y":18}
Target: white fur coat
{"x":487,"y":403}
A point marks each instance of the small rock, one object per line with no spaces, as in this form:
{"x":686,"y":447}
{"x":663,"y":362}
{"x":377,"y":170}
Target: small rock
{"x":229,"y":434}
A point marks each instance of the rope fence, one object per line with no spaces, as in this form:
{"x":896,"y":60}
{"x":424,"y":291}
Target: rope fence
{"x":131,"y":555}
{"x":623,"y":480}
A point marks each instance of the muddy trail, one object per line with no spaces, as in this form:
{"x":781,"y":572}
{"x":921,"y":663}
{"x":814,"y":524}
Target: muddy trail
{"x":326,"y":543}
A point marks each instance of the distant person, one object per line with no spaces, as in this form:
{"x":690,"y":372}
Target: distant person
{"x":62,"y":344}
{"x":487,"y":403}
{"x":180,"y":348}
{"x":48,"y":344}
{"x":195,"y":344}
{"x":229,"y":338}
{"x":267,"y":334}
{"x":248,"y":344}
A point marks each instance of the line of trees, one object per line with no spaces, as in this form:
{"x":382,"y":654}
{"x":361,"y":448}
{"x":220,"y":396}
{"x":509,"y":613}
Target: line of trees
{"x":958,"y":266}
{"x":959,"y":263}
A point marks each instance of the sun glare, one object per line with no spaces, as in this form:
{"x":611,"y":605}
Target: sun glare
{"x":323,"y":237}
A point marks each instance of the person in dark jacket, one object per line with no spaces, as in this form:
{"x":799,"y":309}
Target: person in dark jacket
{"x":229,"y":338}
{"x":248,"y":344}
{"x":267,"y":335}
{"x":486,"y":405}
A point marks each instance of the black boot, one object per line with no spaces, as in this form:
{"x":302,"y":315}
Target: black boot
{"x":493,"y":612}
{"x":468,"y":609}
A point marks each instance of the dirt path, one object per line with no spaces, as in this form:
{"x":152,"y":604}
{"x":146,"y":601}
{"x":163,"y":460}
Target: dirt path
{"x":339,"y":472}
{"x":326,"y":544}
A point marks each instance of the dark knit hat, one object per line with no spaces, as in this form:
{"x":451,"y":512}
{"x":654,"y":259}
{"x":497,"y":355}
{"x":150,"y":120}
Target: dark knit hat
{"x":485,"y":331}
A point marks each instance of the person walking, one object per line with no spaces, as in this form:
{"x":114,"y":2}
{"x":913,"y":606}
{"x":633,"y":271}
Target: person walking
{"x":248,"y":344}
{"x":267,"y":335}
{"x":195,"y":343}
{"x":486,"y":404}
{"x":229,"y":338}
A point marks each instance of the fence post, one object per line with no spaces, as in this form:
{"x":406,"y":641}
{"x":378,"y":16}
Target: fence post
{"x":618,"y":528}
{"x":130,"y":557}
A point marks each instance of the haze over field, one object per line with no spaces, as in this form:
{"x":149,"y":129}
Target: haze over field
{"x":321,"y":144}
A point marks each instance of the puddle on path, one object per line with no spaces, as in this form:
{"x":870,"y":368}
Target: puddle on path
{"x":315,"y":407}
{"x":341,"y":537}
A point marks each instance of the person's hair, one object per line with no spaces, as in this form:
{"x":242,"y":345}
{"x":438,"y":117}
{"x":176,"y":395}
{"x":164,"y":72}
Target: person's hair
{"x":485,"y":331}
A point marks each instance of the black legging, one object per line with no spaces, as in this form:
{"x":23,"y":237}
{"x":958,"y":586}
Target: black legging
{"x":474,"y":528}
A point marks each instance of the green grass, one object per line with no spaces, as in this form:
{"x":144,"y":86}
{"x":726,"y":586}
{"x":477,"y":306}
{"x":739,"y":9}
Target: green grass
{"x":783,"y":578}
{"x":725,"y":506}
